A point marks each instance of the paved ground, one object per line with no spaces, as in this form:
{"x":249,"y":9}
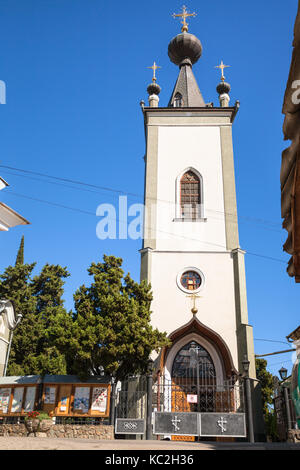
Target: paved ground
{"x":39,"y":443}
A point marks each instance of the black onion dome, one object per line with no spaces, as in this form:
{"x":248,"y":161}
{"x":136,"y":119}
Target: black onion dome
{"x":184,"y":46}
{"x":223,"y":87}
{"x":153,"y":89}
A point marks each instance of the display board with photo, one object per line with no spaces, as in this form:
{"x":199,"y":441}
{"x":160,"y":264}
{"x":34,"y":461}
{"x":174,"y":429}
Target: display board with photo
{"x":99,"y":400}
{"x":82,"y":399}
{"x":4,"y":399}
{"x":16,"y":406}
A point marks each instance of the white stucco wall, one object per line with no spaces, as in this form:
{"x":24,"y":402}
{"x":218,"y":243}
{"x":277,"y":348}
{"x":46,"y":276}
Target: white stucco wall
{"x":181,"y":148}
{"x":4,"y":339}
{"x":171,"y":308}
{"x":175,"y":144}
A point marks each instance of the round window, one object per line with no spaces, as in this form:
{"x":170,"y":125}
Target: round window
{"x":190,"y":280}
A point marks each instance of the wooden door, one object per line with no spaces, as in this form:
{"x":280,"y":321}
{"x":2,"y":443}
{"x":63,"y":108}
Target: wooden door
{"x":180,"y":404}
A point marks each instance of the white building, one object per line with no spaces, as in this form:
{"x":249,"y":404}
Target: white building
{"x":8,"y":217}
{"x":191,"y":243}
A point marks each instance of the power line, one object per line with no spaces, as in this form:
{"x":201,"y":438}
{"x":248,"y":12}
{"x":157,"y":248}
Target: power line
{"x":50,"y":203}
{"x":118,"y":191}
{"x":122,"y":221}
{"x":279,"y":363}
{"x":93,"y":191}
{"x":275,"y":353}
{"x":57,"y":183}
{"x":68,"y":180}
{"x":271,"y":341}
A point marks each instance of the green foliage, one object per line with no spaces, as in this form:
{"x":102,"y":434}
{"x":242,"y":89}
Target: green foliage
{"x":111,"y":328}
{"x":40,"y":415}
{"x":36,"y":349}
{"x":271,"y":425}
{"x":266,"y":382}
{"x":267,"y":391}
{"x":20,"y":254}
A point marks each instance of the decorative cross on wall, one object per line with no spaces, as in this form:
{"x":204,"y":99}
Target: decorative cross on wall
{"x":194,"y":309}
{"x":222,"y":424}
{"x":175,"y":422}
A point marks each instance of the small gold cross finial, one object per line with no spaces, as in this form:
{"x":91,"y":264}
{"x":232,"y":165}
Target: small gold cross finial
{"x":222,"y":67}
{"x":194,"y":309}
{"x":154,"y":67}
{"x":184,"y":15}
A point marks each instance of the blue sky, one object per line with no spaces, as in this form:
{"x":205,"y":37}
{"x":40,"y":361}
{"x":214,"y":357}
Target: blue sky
{"x":75,"y":72}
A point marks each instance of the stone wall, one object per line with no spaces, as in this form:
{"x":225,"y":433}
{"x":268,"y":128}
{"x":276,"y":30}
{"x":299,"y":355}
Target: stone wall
{"x":294,"y":435}
{"x":62,"y":431}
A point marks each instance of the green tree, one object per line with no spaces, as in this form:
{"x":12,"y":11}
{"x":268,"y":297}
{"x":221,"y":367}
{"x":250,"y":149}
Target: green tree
{"x":20,"y":254}
{"x":40,"y":341}
{"x":111,"y":328}
{"x":267,"y":392}
{"x":266,"y":382}
{"x":15,"y":286}
{"x":51,"y":356}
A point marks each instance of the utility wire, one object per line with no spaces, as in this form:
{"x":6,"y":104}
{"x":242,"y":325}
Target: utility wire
{"x":123,"y":221}
{"x":279,"y":363}
{"x":50,"y":203}
{"x":105,"y":188}
{"x":271,"y":341}
{"x":101,"y":192}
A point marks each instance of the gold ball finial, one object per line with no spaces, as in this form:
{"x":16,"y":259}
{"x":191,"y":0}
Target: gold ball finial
{"x":194,"y":297}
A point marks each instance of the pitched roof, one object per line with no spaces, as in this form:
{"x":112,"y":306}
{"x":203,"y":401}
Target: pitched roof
{"x":10,"y":218}
{"x":188,"y":88}
{"x":3,"y":183}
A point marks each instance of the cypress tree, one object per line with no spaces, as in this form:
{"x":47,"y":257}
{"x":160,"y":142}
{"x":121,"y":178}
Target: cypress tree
{"x":111,"y":327}
{"x":40,"y":342}
{"x":20,"y":255}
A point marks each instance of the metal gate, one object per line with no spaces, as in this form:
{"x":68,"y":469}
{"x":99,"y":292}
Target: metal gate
{"x":138,"y":404}
{"x":207,"y":395}
{"x":131,"y":406}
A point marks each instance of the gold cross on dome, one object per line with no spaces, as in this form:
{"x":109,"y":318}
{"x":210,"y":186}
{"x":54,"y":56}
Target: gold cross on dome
{"x":184,"y":15}
{"x":222,"y":67}
{"x":194,"y":309}
{"x":154,"y":67}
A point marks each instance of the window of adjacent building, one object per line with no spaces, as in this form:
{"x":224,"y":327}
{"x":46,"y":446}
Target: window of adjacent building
{"x":190,"y":195}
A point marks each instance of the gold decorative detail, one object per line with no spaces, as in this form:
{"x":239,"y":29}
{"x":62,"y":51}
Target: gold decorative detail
{"x":194,"y":309}
{"x":154,"y":67}
{"x":184,"y":15}
{"x":222,"y":67}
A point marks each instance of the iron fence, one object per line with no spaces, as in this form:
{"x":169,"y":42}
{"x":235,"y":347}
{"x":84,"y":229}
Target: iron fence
{"x":203,"y":393}
{"x":190,"y":394}
{"x":131,"y":398}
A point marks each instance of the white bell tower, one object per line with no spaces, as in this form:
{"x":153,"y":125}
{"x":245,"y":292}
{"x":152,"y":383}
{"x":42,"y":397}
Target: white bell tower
{"x":191,"y":253}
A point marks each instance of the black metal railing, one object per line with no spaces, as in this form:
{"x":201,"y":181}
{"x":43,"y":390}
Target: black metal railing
{"x":206,"y":394}
{"x":131,"y":398}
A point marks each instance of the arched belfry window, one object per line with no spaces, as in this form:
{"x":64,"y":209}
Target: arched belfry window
{"x":178,"y":101}
{"x":193,"y":361}
{"x":190,"y":195}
